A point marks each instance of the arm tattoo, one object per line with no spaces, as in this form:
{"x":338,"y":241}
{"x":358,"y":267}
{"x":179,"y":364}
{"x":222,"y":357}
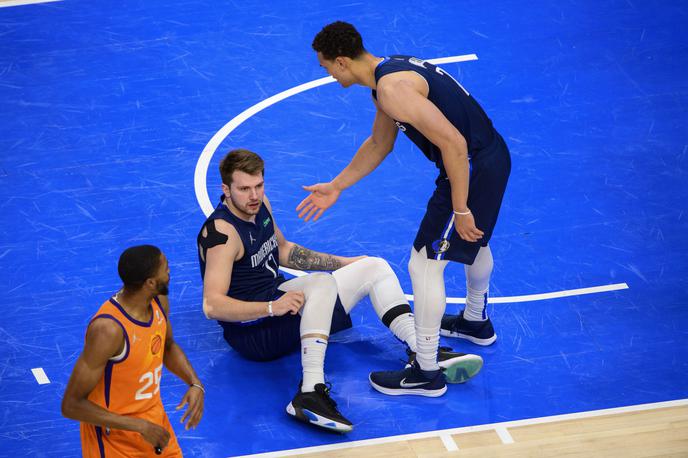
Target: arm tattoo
{"x":305,"y":259}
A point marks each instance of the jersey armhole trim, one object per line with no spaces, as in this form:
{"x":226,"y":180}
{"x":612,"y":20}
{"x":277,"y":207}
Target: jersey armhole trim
{"x":125,"y":351}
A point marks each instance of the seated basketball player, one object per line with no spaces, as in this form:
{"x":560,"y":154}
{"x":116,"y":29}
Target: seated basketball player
{"x":265,"y":317}
{"x":114,"y":390}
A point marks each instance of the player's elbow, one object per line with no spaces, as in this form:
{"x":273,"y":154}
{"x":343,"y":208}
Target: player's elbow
{"x":383,"y":146}
{"x":208,"y":309}
{"x":68,"y":407}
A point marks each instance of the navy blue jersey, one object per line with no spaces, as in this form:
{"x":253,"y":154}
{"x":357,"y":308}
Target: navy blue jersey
{"x":457,"y":105}
{"x":255,"y":277}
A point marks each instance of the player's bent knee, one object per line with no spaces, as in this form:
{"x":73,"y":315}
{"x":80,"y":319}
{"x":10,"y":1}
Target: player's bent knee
{"x":420,"y":266}
{"x":320,"y":282}
{"x":375,"y":269}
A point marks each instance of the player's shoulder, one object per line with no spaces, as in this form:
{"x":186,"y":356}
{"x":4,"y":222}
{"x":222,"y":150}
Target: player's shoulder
{"x":103,"y":329}
{"x":222,"y":234}
{"x":219,"y":231}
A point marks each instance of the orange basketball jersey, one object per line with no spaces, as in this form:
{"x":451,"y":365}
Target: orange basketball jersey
{"x":131,"y":386}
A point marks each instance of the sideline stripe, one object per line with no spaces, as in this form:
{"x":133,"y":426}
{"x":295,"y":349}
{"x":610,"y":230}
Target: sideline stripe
{"x":470,"y":429}
{"x":541,"y":296}
{"x":40,"y":375}
{"x":4,"y":3}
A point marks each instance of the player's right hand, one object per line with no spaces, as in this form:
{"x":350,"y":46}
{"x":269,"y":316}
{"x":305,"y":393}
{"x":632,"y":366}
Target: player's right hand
{"x":154,"y":434}
{"x":290,"y":302}
{"x":322,"y":196}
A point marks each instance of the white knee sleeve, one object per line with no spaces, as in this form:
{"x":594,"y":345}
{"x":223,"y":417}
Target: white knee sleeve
{"x":320,"y":291}
{"x":427,"y":278}
{"x":369,"y":276}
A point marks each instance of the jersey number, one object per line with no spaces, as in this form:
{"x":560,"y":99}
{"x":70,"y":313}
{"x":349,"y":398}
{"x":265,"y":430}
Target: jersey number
{"x":443,"y":73}
{"x":267,"y":265}
{"x":148,"y":379}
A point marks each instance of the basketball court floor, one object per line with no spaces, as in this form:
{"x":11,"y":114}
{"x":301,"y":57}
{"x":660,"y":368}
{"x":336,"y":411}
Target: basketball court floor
{"x":113,"y":119}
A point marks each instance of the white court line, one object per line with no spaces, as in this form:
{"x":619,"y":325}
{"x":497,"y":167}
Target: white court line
{"x":504,"y":435}
{"x":448,"y":442}
{"x":541,"y":296}
{"x":40,"y":375}
{"x":201,"y":177}
{"x":470,"y":429}
{"x":4,"y":4}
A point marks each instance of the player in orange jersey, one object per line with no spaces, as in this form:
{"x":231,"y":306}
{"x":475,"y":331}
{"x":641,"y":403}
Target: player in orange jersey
{"x":114,"y":389}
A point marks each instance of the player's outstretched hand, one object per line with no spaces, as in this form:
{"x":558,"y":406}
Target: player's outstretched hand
{"x":465,"y":226}
{"x":290,"y":302}
{"x":195,"y":398}
{"x":322,"y":196}
{"x":154,"y":434}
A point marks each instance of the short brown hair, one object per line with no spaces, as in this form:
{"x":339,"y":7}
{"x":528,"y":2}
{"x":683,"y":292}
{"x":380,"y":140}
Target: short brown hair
{"x":242,"y":160}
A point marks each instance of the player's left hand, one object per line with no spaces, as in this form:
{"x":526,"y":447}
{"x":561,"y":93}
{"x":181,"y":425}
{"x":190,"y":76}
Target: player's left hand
{"x":195,"y":398}
{"x":465,"y":226}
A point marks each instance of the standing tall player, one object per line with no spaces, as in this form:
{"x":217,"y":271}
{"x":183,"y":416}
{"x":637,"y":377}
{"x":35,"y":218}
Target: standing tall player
{"x":114,"y":389}
{"x":448,"y":125}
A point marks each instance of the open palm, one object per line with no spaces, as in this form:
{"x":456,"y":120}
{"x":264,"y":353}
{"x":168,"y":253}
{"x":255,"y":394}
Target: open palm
{"x":322,"y":196}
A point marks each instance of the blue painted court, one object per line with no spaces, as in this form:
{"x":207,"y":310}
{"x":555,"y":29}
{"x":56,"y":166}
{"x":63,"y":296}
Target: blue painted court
{"x":106,"y":109}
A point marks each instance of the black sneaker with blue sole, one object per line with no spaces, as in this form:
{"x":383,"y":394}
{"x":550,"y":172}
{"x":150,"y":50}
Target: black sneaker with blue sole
{"x":478,"y":332}
{"x":411,"y":380}
{"x":319,"y":409}
{"x":457,"y":367}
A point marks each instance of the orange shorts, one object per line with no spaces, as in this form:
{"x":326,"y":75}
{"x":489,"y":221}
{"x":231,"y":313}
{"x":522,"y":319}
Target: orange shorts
{"x":96,"y":442}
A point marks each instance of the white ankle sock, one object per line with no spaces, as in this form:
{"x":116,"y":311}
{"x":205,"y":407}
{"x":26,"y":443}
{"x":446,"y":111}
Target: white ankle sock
{"x":476,"y":305}
{"x":313,"y":362}
{"x":428,"y":340}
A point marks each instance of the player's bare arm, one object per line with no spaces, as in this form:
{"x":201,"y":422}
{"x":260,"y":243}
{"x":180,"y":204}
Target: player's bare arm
{"x":403,"y":97}
{"x":368,"y":157}
{"x":218,"y":273}
{"x":104,"y":340}
{"x":298,"y":257}
{"x":175,"y":361}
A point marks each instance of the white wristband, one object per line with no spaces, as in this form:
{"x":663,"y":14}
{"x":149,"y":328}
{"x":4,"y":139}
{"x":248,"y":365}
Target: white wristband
{"x":463,"y":213}
{"x":270,"y":308}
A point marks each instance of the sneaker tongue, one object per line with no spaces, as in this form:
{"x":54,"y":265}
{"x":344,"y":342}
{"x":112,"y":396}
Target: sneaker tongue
{"x":321,"y":388}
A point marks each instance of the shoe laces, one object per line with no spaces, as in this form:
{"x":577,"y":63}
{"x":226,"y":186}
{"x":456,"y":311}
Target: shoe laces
{"x":324,"y":390}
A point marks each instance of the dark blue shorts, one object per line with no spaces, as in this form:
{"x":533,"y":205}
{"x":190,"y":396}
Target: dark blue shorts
{"x":490,"y":170}
{"x":272,"y":338}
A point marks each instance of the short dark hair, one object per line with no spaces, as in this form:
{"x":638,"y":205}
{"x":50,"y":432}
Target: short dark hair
{"x":243,"y":160}
{"x":338,"y":39}
{"x":137,"y":264}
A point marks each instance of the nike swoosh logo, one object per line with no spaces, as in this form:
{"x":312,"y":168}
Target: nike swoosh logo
{"x":403,"y":384}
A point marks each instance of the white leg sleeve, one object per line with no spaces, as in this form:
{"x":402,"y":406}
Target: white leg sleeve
{"x":427,"y":278}
{"x":320,"y":291}
{"x":478,"y":285}
{"x":369,"y":276}
{"x":375,"y":278}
